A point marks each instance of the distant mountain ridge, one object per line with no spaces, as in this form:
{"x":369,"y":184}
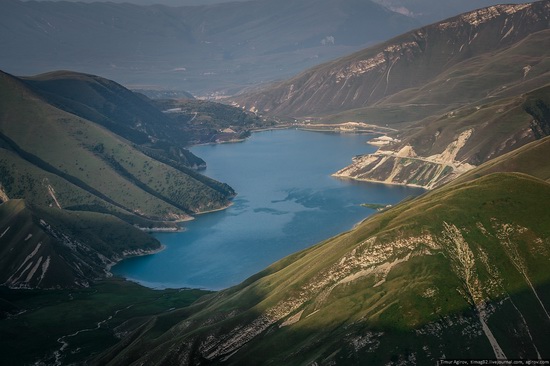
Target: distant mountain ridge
{"x":405,"y":62}
{"x":223,"y":47}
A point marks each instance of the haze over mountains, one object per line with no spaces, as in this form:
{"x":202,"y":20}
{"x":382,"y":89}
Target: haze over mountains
{"x":220,"y":48}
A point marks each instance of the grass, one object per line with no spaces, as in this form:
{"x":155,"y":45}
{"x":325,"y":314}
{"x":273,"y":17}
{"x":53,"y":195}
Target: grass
{"x":116,"y":172}
{"x":375,"y":206}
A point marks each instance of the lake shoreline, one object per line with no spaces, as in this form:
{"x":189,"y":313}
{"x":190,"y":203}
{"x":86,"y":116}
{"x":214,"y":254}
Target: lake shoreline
{"x":287,"y":202}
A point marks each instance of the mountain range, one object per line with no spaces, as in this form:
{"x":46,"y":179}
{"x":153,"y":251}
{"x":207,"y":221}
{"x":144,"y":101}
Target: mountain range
{"x":459,"y":272}
{"x":206,"y":49}
{"x":457,"y":92}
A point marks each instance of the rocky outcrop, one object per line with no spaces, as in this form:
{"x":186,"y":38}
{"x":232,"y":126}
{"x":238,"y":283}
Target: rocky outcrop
{"x":405,"y":167}
{"x":50,"y":249}
{"x":3,"y":195}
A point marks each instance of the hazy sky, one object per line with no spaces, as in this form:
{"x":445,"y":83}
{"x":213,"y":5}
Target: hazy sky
{"x":150,"y":2}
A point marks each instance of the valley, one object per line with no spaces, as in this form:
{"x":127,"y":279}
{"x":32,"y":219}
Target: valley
{"x":433,"y":244}
{"x":286,"y":197}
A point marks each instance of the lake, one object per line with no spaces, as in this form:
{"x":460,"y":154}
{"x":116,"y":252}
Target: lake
{"x":286,"y":201}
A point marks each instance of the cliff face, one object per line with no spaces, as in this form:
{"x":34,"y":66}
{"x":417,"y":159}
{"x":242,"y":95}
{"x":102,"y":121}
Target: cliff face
{"x":405,"y":167}
{"x":437,"y":150}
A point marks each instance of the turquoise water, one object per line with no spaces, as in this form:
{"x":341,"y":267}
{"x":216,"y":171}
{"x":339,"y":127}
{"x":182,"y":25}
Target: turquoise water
{"x":286,"y":201}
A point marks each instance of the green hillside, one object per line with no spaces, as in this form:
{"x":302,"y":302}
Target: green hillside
{"x":76,"y":195}
{"x":95,"y":160}
{"x":118,"y":109}
{"x":528,"y":159}
{"x":69,"y":327}
{"x":202,"y":121}
{"x":459,"y":272}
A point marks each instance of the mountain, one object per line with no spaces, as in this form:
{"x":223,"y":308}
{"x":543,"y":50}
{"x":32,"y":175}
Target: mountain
{"x":457,"y":93}
{"x":440,"y":148}
{"x":91,"y":167}
{"x":457,"y":273}
{"x":119,"y":110}
{"x":84,"y":164}
{"x":202,"y":49}
{"x":395,"y":69}
{"x":208,"y":49}
{"x":203,"y":121}
{"x":429,"y":11}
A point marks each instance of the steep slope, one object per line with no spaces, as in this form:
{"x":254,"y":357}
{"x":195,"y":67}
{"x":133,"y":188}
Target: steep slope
{"x":438,"y":149}
{"x":93,"y":159}
{"x":457,"y":273}
{"x":405,"y":64}
{"x":117,"y":109}
{"x":526,"y":159}
{"x":429,"y":11}
{"x":459,"y":93}
{"x":52,"y":248}
{"x":74,"y":193}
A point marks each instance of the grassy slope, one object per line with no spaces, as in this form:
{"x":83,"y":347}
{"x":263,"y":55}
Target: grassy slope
{"x":201,"y":121}
{"x":22,"y":179}
{"x":526,"y":159}
{"x":425,"y":306}
{"x":121,"y":111}
{"x":99,"y":162}
{"x":497,"y":127}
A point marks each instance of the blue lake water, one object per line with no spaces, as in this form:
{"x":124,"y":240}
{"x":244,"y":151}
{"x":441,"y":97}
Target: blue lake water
{"x":286,"y":201}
